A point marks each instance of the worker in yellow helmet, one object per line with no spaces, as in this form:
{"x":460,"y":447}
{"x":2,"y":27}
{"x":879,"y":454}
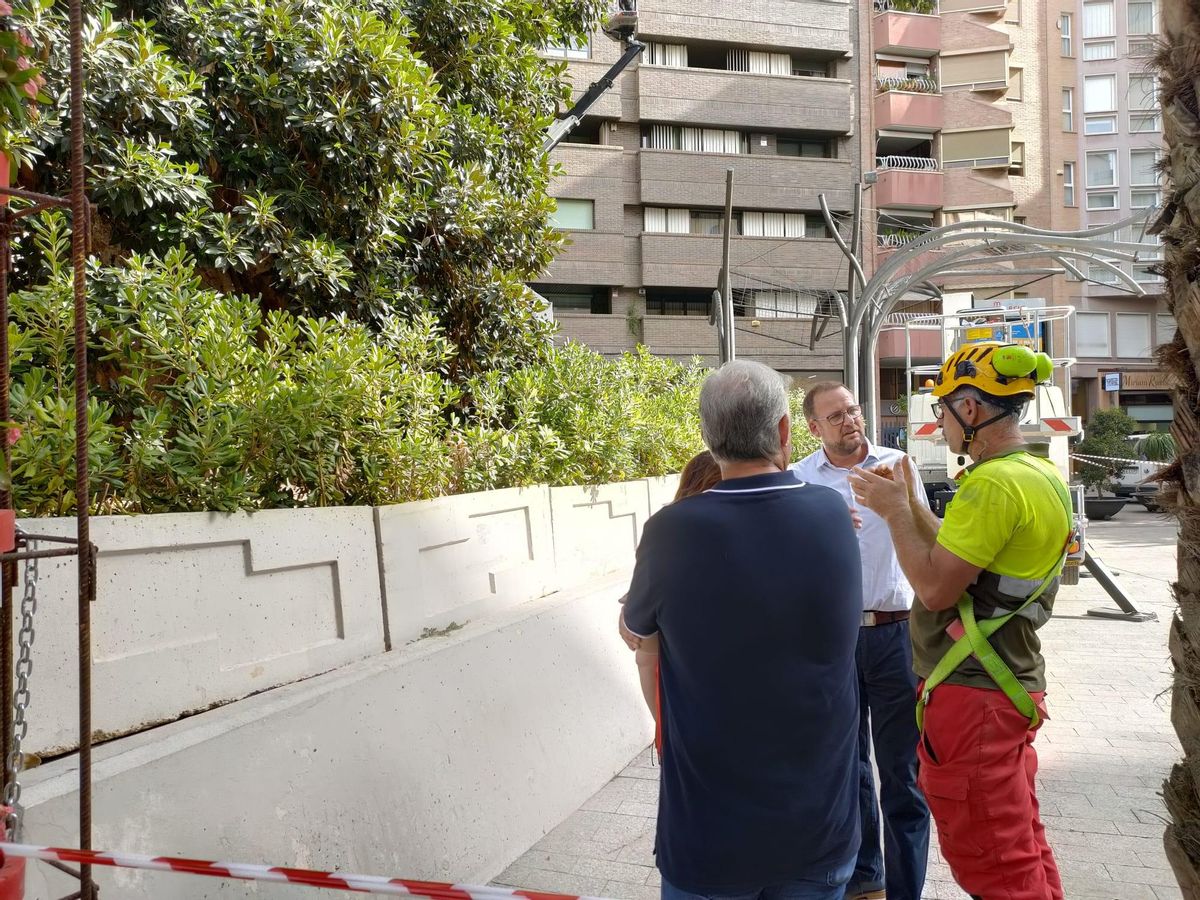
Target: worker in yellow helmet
{"x":985,"y":577}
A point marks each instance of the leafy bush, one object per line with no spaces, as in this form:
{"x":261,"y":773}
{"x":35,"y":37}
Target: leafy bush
{"x":204,"y":402}
{"x":369,"y":158}
{"x":1105,"y":437}
{"x":1158,"y":446}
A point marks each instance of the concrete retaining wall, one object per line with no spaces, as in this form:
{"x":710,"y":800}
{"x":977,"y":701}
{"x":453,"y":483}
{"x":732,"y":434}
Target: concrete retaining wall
{"x":444,"y":759}
{"x":196,"y":610}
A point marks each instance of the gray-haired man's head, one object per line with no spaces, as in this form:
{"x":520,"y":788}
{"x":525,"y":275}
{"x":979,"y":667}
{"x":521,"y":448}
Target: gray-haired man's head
{"x":741,"y":407}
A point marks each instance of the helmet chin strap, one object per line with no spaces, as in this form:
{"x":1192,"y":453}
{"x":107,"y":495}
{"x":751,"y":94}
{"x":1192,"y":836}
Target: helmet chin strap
{"x":969,"y":431}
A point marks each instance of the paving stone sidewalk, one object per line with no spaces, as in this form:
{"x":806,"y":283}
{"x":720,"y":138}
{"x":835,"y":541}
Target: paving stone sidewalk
{"x":1104,"y":753}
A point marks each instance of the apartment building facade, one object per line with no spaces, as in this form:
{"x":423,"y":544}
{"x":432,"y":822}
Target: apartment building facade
{"x":765,"y":87}
{"x":1115,"y":118}
{"x":1034,"y":111}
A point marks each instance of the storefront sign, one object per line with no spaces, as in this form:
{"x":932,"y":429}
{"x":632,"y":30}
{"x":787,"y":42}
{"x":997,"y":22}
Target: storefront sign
{"x":1146,"y":381}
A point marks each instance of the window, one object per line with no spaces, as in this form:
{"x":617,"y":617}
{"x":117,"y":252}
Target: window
{"x":573,"y":215}
{"x":1101,"y":274}
{"x":1068,"y":109}
{"x":699,"y":140}
{"x":1164,"y":329}
{"x":1068,"y":184}
{"x":981,"y":148}
{"x":1143,"y":123}
{"x":709,"y":222}
{"x":1133,"y":335}
{"x":667,"y":221}
{"x":1016,"y":163}
{"x":1102,"y":168}
{"x":814,"y":227}
{"x":1101,"y":199}
{"x":1140,"y":17}
{"x":1143,"y":93}
{"x":979,"y":71}
{"x":1016,"y":88}
{"x":1099,"y":22}
{"x":1099,"y":50}
{"x":1091,"y":334}
{"x":1100,"y":104}
{"x":596,"y":300}
{"x":758,"y":62}
{"x":1143,"y":199}
{"x":657,"y":54}
{"x":572,"y":50}
{"x":802,"y":147}
{"x":1099,"y":19}
{"x":773,"y":224}
{"x":1145,"y":274}
{"x":1064,"y":29}
{"x":1143,"y":167}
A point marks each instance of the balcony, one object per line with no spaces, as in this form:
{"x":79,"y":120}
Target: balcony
{"x":590,"y":257}
{"x":781,"y":344}
{"x":724,"y":99}
{"x":694,"y":260}
{"x":581,"y":73}
{"x":981,"y":189}
{"x":606,"y":334}
{"x":760,"y":181}
{"x":786,"y":24}
{"x":913,"y":33}
{"x":926,"y":345}
{"x":900,"y":109}
{"x":908,"y":182}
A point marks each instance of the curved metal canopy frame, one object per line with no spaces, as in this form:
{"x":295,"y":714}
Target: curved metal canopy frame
{"x":987,"y":243}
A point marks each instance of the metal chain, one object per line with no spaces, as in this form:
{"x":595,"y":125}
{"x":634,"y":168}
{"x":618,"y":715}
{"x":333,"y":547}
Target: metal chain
{"x":20,"y":700}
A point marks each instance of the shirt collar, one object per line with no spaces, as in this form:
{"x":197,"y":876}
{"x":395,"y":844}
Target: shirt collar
{"x":769,"y":479}
{"x":872,"y":454}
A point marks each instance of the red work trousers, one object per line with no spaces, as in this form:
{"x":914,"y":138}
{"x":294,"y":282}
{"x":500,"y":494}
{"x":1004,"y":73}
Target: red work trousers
{"x":977,"y":771}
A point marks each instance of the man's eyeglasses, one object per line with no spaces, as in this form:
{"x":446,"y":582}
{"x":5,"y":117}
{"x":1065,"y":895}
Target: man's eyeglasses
{"x":839,"y":418}
{"x":939,"y":409}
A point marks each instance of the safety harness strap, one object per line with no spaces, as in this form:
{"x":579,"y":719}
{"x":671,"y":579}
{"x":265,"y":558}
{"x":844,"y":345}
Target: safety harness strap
{"x":975,"y":638}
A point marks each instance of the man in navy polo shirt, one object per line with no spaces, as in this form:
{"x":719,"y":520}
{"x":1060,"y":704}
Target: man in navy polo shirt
{"x":754,"y":589}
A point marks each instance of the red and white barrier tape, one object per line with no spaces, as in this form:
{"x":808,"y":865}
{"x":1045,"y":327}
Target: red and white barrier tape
{"x":363,"y":884}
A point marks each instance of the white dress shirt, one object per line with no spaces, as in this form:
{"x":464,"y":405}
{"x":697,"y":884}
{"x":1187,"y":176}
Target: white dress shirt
{"x":885,"y":589}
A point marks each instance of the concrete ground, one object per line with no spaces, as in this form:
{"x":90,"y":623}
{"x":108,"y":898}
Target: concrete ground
{"x":1104,"y":752}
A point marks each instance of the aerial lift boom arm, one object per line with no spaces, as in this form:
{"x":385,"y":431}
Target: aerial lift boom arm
{"x":621,"y":26}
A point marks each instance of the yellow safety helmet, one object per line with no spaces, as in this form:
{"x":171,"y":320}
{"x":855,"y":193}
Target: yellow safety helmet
{"x":1001,"y":370}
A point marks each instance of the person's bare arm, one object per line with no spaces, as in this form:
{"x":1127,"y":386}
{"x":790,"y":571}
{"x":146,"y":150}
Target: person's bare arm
{"x":647,"y":663}
{"x":926,"y":520}
{"x":937,"y":576}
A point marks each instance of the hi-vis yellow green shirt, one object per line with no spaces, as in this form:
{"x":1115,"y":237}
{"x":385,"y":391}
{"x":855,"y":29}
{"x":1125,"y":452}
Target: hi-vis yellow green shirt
{"x":1008,"y":519}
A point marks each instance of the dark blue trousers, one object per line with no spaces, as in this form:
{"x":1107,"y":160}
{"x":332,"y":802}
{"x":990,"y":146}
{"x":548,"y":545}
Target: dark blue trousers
{"x":888,"y":697}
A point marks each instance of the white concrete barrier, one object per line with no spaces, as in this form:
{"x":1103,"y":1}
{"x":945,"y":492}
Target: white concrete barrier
{"x":662,"y":491}
{"x":444,"y":760}
{"x":197,"y":609}
{"x":451,"y":560}
{"x":597,"y":529}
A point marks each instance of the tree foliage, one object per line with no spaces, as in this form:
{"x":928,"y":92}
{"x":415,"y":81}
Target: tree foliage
{"x":367,"y":158}
{"x":1106,"y":439}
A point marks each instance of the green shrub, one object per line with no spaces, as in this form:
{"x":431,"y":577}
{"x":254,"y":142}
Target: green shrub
{"x":1105,"y":436}
{"x":203,"y":402}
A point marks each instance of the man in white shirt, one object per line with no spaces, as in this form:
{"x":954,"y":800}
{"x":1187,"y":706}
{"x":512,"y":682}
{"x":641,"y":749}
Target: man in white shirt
{"x":887,"y":685}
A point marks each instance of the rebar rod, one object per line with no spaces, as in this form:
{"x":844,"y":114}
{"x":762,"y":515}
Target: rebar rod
{"x":86,"y":559}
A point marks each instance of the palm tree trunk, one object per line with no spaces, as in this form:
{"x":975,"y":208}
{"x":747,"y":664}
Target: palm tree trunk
{"x":1179,"y":64}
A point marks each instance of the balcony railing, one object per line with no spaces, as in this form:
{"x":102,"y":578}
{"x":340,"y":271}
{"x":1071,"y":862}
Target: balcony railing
{"x":921,"y":7}
{"x":917,"y":84}
{"x":910,"y":163}
{"x":897,"y":238}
